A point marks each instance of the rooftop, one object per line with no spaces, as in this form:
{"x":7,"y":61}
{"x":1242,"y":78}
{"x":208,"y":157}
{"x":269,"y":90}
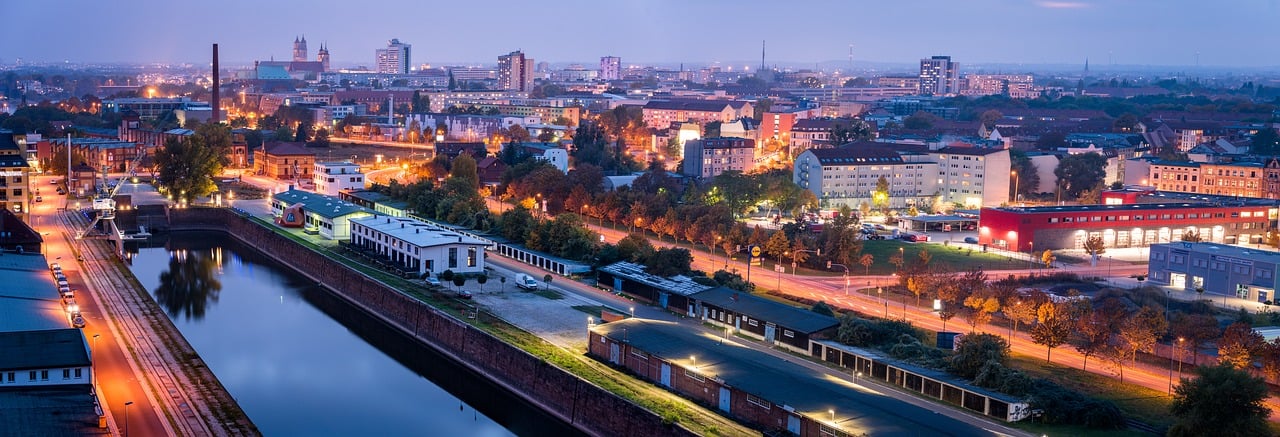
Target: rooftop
{"x":679,"y":284}
{"x":325,"y":206}
{"x":416,"y":232}
{"x":1270,"y":256}
{"x":33,"y":305}
{"x":66,"y":410}
{"x":1118,"y":208}
{"x":873,"y":154}
{"x":783,"y":382}
{"x":52,"y":348}
{"x":764,"y":309}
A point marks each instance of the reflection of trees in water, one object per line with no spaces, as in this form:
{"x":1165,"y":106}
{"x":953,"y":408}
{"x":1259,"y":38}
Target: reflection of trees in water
{"x":189,"y":285}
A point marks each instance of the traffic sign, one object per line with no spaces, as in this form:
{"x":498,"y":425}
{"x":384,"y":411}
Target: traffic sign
{"x":755,"y":251}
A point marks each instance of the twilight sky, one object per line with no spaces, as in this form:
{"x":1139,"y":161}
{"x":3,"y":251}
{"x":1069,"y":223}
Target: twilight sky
{"x":1128,"y":32}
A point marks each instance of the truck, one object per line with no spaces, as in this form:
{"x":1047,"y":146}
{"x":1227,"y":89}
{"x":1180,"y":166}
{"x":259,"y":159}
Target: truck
{"x":526,"y":282}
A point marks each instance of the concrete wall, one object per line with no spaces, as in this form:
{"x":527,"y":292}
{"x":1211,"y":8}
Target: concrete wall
{"x":566,"y":396}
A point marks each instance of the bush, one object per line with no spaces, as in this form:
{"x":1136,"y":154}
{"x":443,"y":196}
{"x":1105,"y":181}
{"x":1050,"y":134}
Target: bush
{"x":975,"y":351}
{"x":822,"y":308}
{"x":1062,"y":406}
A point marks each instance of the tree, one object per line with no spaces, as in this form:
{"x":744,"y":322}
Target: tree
{"x":1054,"y":328}
{"x":1191,"y":236}
{"x":1266,"y":142}
{"x":880,"y":197}
{"x":1196,"y":330}
{"x":1126,"y":123}
{"x":482,"y":279}
{"x":1028,"y":175}
{"x":990,"y":117}
{"x":1239,"y":345}
{"x":1220,"y":400}
{"x":1095,"y":246}
{"x":854,"y":130}
{"x":866,"y":260}
{"x":920,"y":120}
{"x":924,"y":256}
{"x":974,"y":351}
{"x":1079,"y":173}
{"x":821,"y":307}
{"x":777,"y":245}
{"x":1048,"y":258}
{"x":186,"y":167}
{"x":546,"y":281}
{"x":982,"y":307}
{"x":1021,"y":311}
{"x":1139,"y":332}
{"x":1091,"y":335}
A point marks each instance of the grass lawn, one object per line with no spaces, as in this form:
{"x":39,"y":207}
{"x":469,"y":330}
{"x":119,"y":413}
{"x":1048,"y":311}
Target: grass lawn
{"x":1140,"y":403}
{"x":953,"y":257}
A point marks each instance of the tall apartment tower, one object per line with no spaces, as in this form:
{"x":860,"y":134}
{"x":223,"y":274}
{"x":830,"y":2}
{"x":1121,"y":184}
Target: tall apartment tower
{"x":938,"y":76}
{"x":323,"y":56}
{"x":394,"y":59}
{"x":515,"y":72}
{"x":299,"y":49}
{"x":610,"y":68}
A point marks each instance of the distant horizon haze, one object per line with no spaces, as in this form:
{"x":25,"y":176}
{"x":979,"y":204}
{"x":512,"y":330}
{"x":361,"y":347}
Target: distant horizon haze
{"x":1108,"y":33}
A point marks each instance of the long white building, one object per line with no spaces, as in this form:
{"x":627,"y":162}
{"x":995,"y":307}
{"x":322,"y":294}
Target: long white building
{"x":969,"y":177}
{"x":419,"y":246}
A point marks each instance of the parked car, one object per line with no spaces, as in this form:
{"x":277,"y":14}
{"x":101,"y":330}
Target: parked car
{"x":39,"y":199}
{"x":971,"y":240}
{"x":464,"y":294}
{"x":880,"y":227}
{"x":433,"y":281}
{"x":77,"y":321}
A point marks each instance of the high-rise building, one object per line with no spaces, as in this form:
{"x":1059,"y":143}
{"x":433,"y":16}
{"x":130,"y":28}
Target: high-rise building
{"x":299,"y":49}
{"x":938,"y":76}
{"x":610,"y":68}
{"x":394,"y":59}
{"x":515,"y":72}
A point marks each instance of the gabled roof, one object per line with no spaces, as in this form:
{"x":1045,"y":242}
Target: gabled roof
{"x":53,"y":348}
{"x":756,"y":307}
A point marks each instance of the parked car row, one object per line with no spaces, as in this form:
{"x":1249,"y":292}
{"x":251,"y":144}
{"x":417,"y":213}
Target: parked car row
{"x":68,"y":296}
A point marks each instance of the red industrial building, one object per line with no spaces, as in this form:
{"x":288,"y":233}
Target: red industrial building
{"x":1124,"y":225}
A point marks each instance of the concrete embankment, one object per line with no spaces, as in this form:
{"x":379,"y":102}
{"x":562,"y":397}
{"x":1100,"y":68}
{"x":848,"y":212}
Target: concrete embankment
{"x":568,"y":397}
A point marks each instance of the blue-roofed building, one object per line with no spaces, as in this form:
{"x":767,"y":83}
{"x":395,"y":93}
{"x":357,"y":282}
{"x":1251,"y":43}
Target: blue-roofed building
{"x":328,"y":216}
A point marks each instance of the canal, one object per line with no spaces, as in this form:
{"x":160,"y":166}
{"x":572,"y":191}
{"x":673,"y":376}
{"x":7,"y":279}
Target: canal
{"x":301,"y":361}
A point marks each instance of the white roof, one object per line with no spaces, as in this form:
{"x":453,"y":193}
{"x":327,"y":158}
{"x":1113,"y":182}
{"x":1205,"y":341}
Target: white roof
{"x":417,"y":232}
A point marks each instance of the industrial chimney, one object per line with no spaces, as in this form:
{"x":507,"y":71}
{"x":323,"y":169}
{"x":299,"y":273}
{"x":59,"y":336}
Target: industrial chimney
{"x":217,"y":88}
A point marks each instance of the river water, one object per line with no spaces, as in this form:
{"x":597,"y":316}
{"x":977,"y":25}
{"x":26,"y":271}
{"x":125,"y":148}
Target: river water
{"x":300,"y":361}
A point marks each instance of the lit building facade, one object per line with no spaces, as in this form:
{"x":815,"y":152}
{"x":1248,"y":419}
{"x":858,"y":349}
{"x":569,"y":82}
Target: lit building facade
{"x":515,"y":72}
{"x":418,"y":246}
{"x":708,"y":157}
{"x":332,"y":178}
{"x":610,"y":68}
{"x":1217,"y":269}
{"x":848,"y":176}
{"x":938,"y":76}
{"x":1132,"y":225}
{"x":395,"y":59}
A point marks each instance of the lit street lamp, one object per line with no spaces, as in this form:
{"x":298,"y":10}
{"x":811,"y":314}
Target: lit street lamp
{"x":126,"y":417}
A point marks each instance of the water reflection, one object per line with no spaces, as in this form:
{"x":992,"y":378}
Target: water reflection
{"x":191,"y":284}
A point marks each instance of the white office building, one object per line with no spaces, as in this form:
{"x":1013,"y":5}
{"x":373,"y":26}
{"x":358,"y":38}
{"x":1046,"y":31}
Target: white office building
{"x":610,"y":68}
{"x":332,"y":178}
{"x":394,"y":59}
{"x":419,"y":246}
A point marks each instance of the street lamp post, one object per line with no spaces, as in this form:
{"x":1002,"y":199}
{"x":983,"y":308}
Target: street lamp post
{"x":93,"y":361}
{"x":1180,"y":339}
{"x":1171,"y":372}
{"x":633,"y":312}
{"x":846,"y":275}
{"x":126,"y":417}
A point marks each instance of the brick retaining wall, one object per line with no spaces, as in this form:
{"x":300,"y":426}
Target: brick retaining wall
{"x":576,"y":401}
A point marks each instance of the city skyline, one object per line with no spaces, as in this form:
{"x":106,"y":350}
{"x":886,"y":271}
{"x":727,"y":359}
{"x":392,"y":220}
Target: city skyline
{"x":1137,"y":33}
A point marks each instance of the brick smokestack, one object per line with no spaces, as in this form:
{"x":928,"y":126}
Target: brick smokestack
{"x":217,"y":88}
